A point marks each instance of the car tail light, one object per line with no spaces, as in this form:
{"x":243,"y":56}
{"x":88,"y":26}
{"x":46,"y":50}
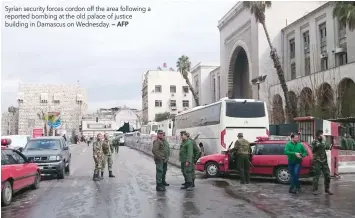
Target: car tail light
{"x":5,"y":142}
{"x":223,"y":133}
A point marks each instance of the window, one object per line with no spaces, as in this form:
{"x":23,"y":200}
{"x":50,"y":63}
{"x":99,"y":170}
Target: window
{"x":292,"y":49}
{"x":219,"y":87}
{"x":214,"y":89}
{"x":185,"y":89}
{"x":269,"y":149}
{"x":7,"y":158}
{"x":43,"y":144}
{"x":245,"y":110}
{"x":185,"y":103}
{"x":293,"y":71}
{"x":324,"y":64}
{"x":323,"y":37}
{"x":158,"y":103}
{"x":173,"y":89}
{"x":19,"y":159}
{"x":342,"y":58}
{"x":306,"y":42}
{"x":307,"y":66}
{"x":172,"y":103}
{"x":158,"y":88}
{"x":342,"y":31}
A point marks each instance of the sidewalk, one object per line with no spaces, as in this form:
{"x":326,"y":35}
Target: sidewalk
{"x":275,"y":200}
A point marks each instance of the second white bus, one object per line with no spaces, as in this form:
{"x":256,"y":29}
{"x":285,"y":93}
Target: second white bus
{"x":218,"y":124}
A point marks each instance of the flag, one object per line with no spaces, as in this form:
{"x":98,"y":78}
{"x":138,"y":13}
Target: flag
{"x":164,"y":65}
{"x":328,"y":127}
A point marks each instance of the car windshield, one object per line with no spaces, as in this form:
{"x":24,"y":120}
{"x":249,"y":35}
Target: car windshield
{"x":51,"y":144}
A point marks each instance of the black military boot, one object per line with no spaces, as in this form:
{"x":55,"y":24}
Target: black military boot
{"x":102,"y":176}
{"x":165,"y":184}
{"x":96,"y":177}
{"x":110,"y":174}
{"x":329,"y":192}
{"x":160,"y":188}
{"x":189,"y":187}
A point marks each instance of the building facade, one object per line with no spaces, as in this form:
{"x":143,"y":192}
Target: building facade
{"x":201,"y":82}
{"x":164,"y":91}
{"x":33,"y":99}
{"x":128,"y":116}
{"x":9,"y":122}
{"x":91,"y":127}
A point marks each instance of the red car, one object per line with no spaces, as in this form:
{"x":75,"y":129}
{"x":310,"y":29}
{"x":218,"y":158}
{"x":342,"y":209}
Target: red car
{"x":267,"y":160}
{"x":16,"y":172}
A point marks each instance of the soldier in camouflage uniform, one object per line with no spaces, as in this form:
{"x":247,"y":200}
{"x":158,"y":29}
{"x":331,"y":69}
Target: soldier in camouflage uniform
{"x":197,"y":154}
{"x":242,"y":148}
{"x":159,"y":159}
{"x":187,"y":161}
{"x":107,"y":149}
{"x":98,"y":156}
{"x":166,"y":156}
{"x":320,"y":163}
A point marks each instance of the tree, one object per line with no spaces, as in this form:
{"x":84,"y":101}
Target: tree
{"x":183,"y":65}
{"x":42,"y":116}
{"x":162,"y":116}
{"x":345,"y":12}
{"x":257,"y":8}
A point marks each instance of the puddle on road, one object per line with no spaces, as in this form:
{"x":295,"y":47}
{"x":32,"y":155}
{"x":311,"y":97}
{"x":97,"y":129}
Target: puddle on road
{"x":220,"y":184}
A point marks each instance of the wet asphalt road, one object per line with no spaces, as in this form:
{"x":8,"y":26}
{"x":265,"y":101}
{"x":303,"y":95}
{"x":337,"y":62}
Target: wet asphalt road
{"x":132,"y":194}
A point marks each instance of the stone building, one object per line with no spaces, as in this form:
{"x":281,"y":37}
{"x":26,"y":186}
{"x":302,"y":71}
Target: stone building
{"x":9,"y":122}
{"x":69,"y":100}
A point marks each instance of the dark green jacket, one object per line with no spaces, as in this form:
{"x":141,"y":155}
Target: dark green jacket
{"x":318,"y":149}
{"x":291,"y":149}
{"x":158,"y":150}
{"x":186,"y":151}
{"x":166,"y":150}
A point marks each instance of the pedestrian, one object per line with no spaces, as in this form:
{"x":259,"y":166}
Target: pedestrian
{"x":166,"y":156}
{"x":186,"y":160}
{"x":107,"y":150}
{"x":196,"y":156}
{"x":98,"y":156}
{"x":202,"y":149}
{"x":65,"y":138}
{"x":88,"y":141}
{"x":183,"y":173}
{"x":351,"y":142}
{"x":295,"y":152}
{"x":159,"y":159}
{"x":242,"y":147}
{"x":116,"y":143}
{"x":320,"y":163}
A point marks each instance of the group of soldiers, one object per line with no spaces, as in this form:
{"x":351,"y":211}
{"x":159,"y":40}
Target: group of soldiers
{"x":347,"y":143}
{"x":188,"y":156}
{"x":102,"y":154}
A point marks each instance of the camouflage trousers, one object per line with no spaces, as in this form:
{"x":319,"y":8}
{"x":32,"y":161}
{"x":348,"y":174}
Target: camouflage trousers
{"x":98,"y":165}
{"x":244,"y":167}
{"x":107,"y":159}
{"x":318,"y":168}
{"x":188,"y":172}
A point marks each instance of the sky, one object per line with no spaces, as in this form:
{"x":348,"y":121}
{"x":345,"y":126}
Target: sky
{"x":109,"y":63}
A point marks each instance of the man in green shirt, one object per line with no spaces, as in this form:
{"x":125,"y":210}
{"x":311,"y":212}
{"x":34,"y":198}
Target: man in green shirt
{"x":166,"y":155}
{"x":186,"y":160}
{"x":295,"y":151}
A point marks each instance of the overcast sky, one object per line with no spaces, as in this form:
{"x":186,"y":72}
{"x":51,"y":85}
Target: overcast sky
{"x":109,"y":62}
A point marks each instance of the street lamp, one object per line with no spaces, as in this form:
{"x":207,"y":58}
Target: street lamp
{"x":257,"y":81}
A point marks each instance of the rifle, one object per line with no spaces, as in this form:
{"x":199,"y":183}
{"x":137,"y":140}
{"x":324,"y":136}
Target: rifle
{"x":196,"y":137}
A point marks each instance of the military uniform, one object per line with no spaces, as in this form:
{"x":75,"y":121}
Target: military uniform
{"x":159,"y":159}
{"x":107,"y":158}
{"x":320,"y":164}
{"x":196,"y":156}
{"x":186,"y":155}
{"x":351,"y":143}
{"x":242,"y":148}
{"x":166,"y":159}
{"x":98,"y":157}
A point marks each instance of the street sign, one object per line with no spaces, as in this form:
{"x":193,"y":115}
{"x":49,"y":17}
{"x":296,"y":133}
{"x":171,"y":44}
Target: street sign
{"x":37,"y":132}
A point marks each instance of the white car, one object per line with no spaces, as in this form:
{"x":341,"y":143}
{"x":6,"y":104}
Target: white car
{"x":122,"y":141}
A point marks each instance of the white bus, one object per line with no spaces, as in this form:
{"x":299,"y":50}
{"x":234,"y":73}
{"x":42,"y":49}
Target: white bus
{"x":218,"y":124}
{"x":150,"y":129}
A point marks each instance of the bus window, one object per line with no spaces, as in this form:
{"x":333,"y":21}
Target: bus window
{"x":245,"y":110}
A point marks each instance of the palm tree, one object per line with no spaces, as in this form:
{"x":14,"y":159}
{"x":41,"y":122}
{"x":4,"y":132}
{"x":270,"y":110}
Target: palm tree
{"x":183,"y":65}
{"x":345,"y":12}
{"x":257,"y":8}
{"x":42,"y":116}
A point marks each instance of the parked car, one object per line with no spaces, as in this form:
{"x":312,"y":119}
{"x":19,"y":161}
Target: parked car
{"x":51,"y":154}
{"x":267,"y":160}
{"x":122,"y":141}
{"x":17,"y":173}
{"x":18,"y":142}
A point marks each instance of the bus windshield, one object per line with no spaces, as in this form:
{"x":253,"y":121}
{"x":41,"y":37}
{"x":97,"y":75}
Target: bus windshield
{"x":245,"y":110}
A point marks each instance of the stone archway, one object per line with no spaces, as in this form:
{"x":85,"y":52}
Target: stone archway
{"x":238,"y":75}
{"x":325,"y":102}
{"x":294,"y":100}
{"x":306,"y":102}
{"x":346,"y":96}
{"x":278,"y":114}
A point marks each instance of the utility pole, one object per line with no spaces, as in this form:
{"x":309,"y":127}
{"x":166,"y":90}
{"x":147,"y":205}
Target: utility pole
{"x":257,"y":81}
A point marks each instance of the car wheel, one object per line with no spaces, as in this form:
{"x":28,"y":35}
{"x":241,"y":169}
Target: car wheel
{"x":283,"y":176}
{"x":6,"y":194}
{"x":212,"y":169}
{"x":35,"y":185}
{"x":61,"y":174}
